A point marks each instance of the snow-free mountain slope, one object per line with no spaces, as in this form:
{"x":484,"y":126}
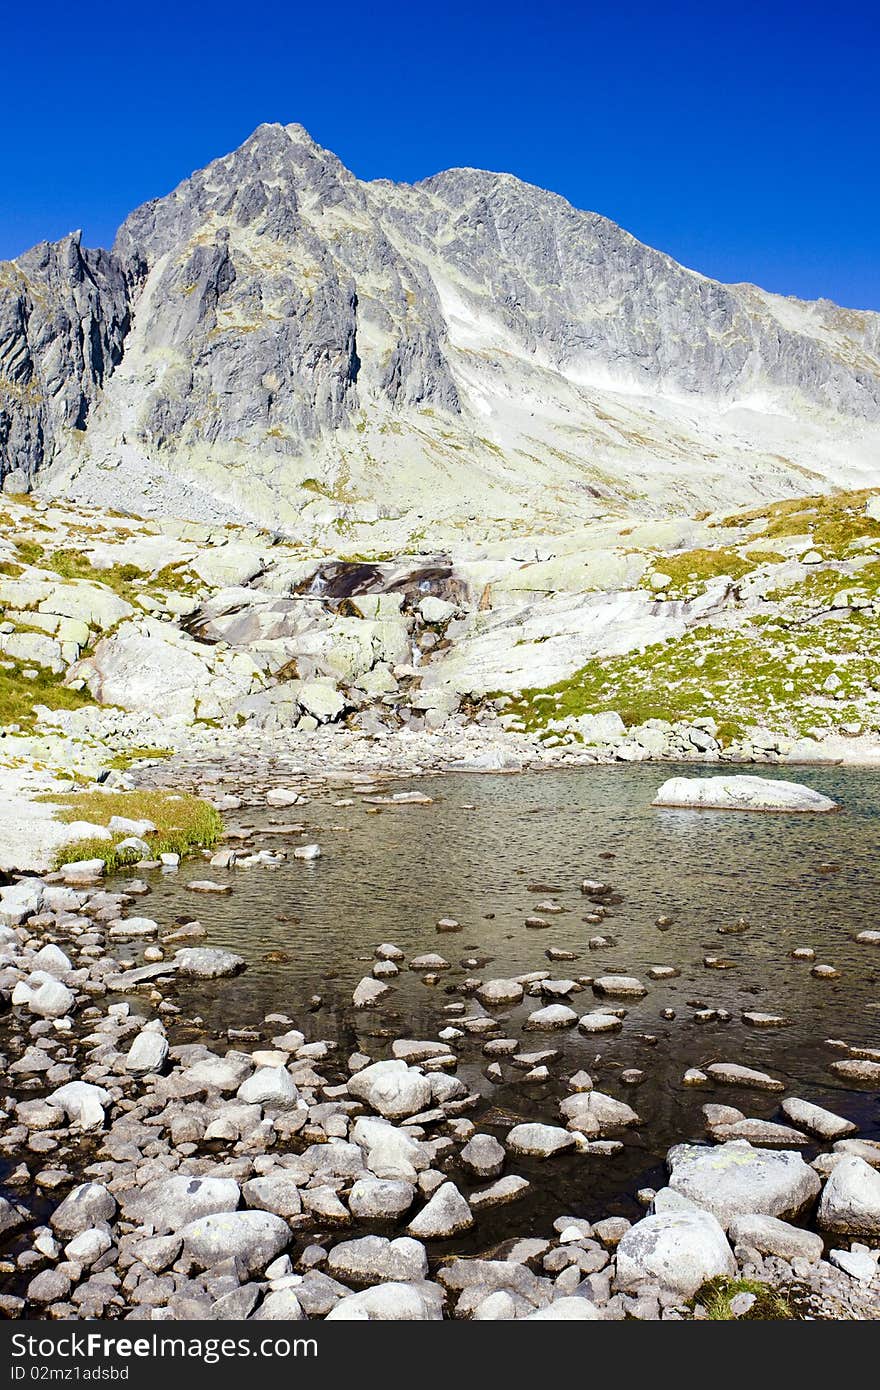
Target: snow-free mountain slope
{"x":277,"y":340}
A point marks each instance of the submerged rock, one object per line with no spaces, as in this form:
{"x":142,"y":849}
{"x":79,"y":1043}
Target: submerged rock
{"x":368,"y":993}
{"x":593,"y":1113}
{"x":252,"y":1238}
{"x":770,"y":1236}
{"x":483,"y":1156}
{"x":380,"y":1199}
{"x":147,"y":1053}
{"x":171,"y":1203}
{"x":539,"y":1141}
{"x":816,"y":1120}
{"x":445,"y":1215}
{"x":620,"y":986}
{"x":732,"y":1074}
{"x":392,"y":1302}
{"x":86,"y":1206}
{"x":859,"y":1071}
{"x":392,"y":1088}
{"x":82,"y":1103}
{"x":375,"y":1260}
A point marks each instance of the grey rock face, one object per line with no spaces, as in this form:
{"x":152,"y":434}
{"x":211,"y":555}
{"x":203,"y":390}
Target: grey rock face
{"x":64,"y":315}
{"x":850,"y":1202}
{"x":391,"y":1302}
{"x":380,"y":1198}
{"x":443,"y":1216}
{"x":483,"y":1156}
{"x":10,"y":1217}
{"x":771,"y":1236}
{"x":272,"y":302}
{"x":147,"y":1053}
{"x":86,"y":1206}
{"x":392,"y":1088}
{"x":373,"y":1259}
{"x":276,"y":1193}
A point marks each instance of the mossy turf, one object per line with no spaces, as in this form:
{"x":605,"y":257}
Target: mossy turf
{"x":19,"y":694}
{"x":183,"y":823}
{"x":123,"y":761}
{"x":770,"y":1305}
{"x":128,"y":581}
{"x":833,"y":522}
{"x":689,"y":571}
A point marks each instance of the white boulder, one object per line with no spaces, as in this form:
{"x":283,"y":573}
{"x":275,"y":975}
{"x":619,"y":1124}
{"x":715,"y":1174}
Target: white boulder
{"x":732,"y":1179}
{"x":741,"y":793}
{"x":850,"y":1203}
{"x":680,"y":1250}
{"x":392,"y":1088}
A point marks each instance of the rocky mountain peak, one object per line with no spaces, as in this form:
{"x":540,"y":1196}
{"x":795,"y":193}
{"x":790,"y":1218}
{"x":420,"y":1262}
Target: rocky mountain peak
{"x":277,"y":336}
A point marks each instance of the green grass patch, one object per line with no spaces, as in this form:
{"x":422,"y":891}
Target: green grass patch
{"x":123,"y":761}
{"x":174,"y":577}
{"x":690,"y":571}
{"x":128,"y":581}
{"x":833,"y":522}
{"x":183,"y":823}
{"x":769,"y":672}
{"x":30,"y":552}
{"x":19,"y":694}
{"x":73,"y":564}
{"x":770,"y":1305}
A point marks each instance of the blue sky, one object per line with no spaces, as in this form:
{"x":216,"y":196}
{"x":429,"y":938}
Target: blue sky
{"x":742,"y":139}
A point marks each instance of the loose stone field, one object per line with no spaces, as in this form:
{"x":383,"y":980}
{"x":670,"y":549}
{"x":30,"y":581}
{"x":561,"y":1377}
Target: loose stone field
{"x":559,"y":982}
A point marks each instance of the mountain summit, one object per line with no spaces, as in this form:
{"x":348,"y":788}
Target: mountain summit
{"x":279,"y":341}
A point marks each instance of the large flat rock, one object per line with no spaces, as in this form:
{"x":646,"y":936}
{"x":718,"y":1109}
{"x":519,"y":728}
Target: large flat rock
{"x":741,"y":793}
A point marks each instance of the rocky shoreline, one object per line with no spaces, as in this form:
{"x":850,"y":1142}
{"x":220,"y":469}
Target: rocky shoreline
{"x":30,"y":836}
{"x":156,"y":1171}
{"x":742,"y":638}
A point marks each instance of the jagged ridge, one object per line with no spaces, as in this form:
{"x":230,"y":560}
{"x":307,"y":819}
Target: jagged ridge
{"x":277,"y":339}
